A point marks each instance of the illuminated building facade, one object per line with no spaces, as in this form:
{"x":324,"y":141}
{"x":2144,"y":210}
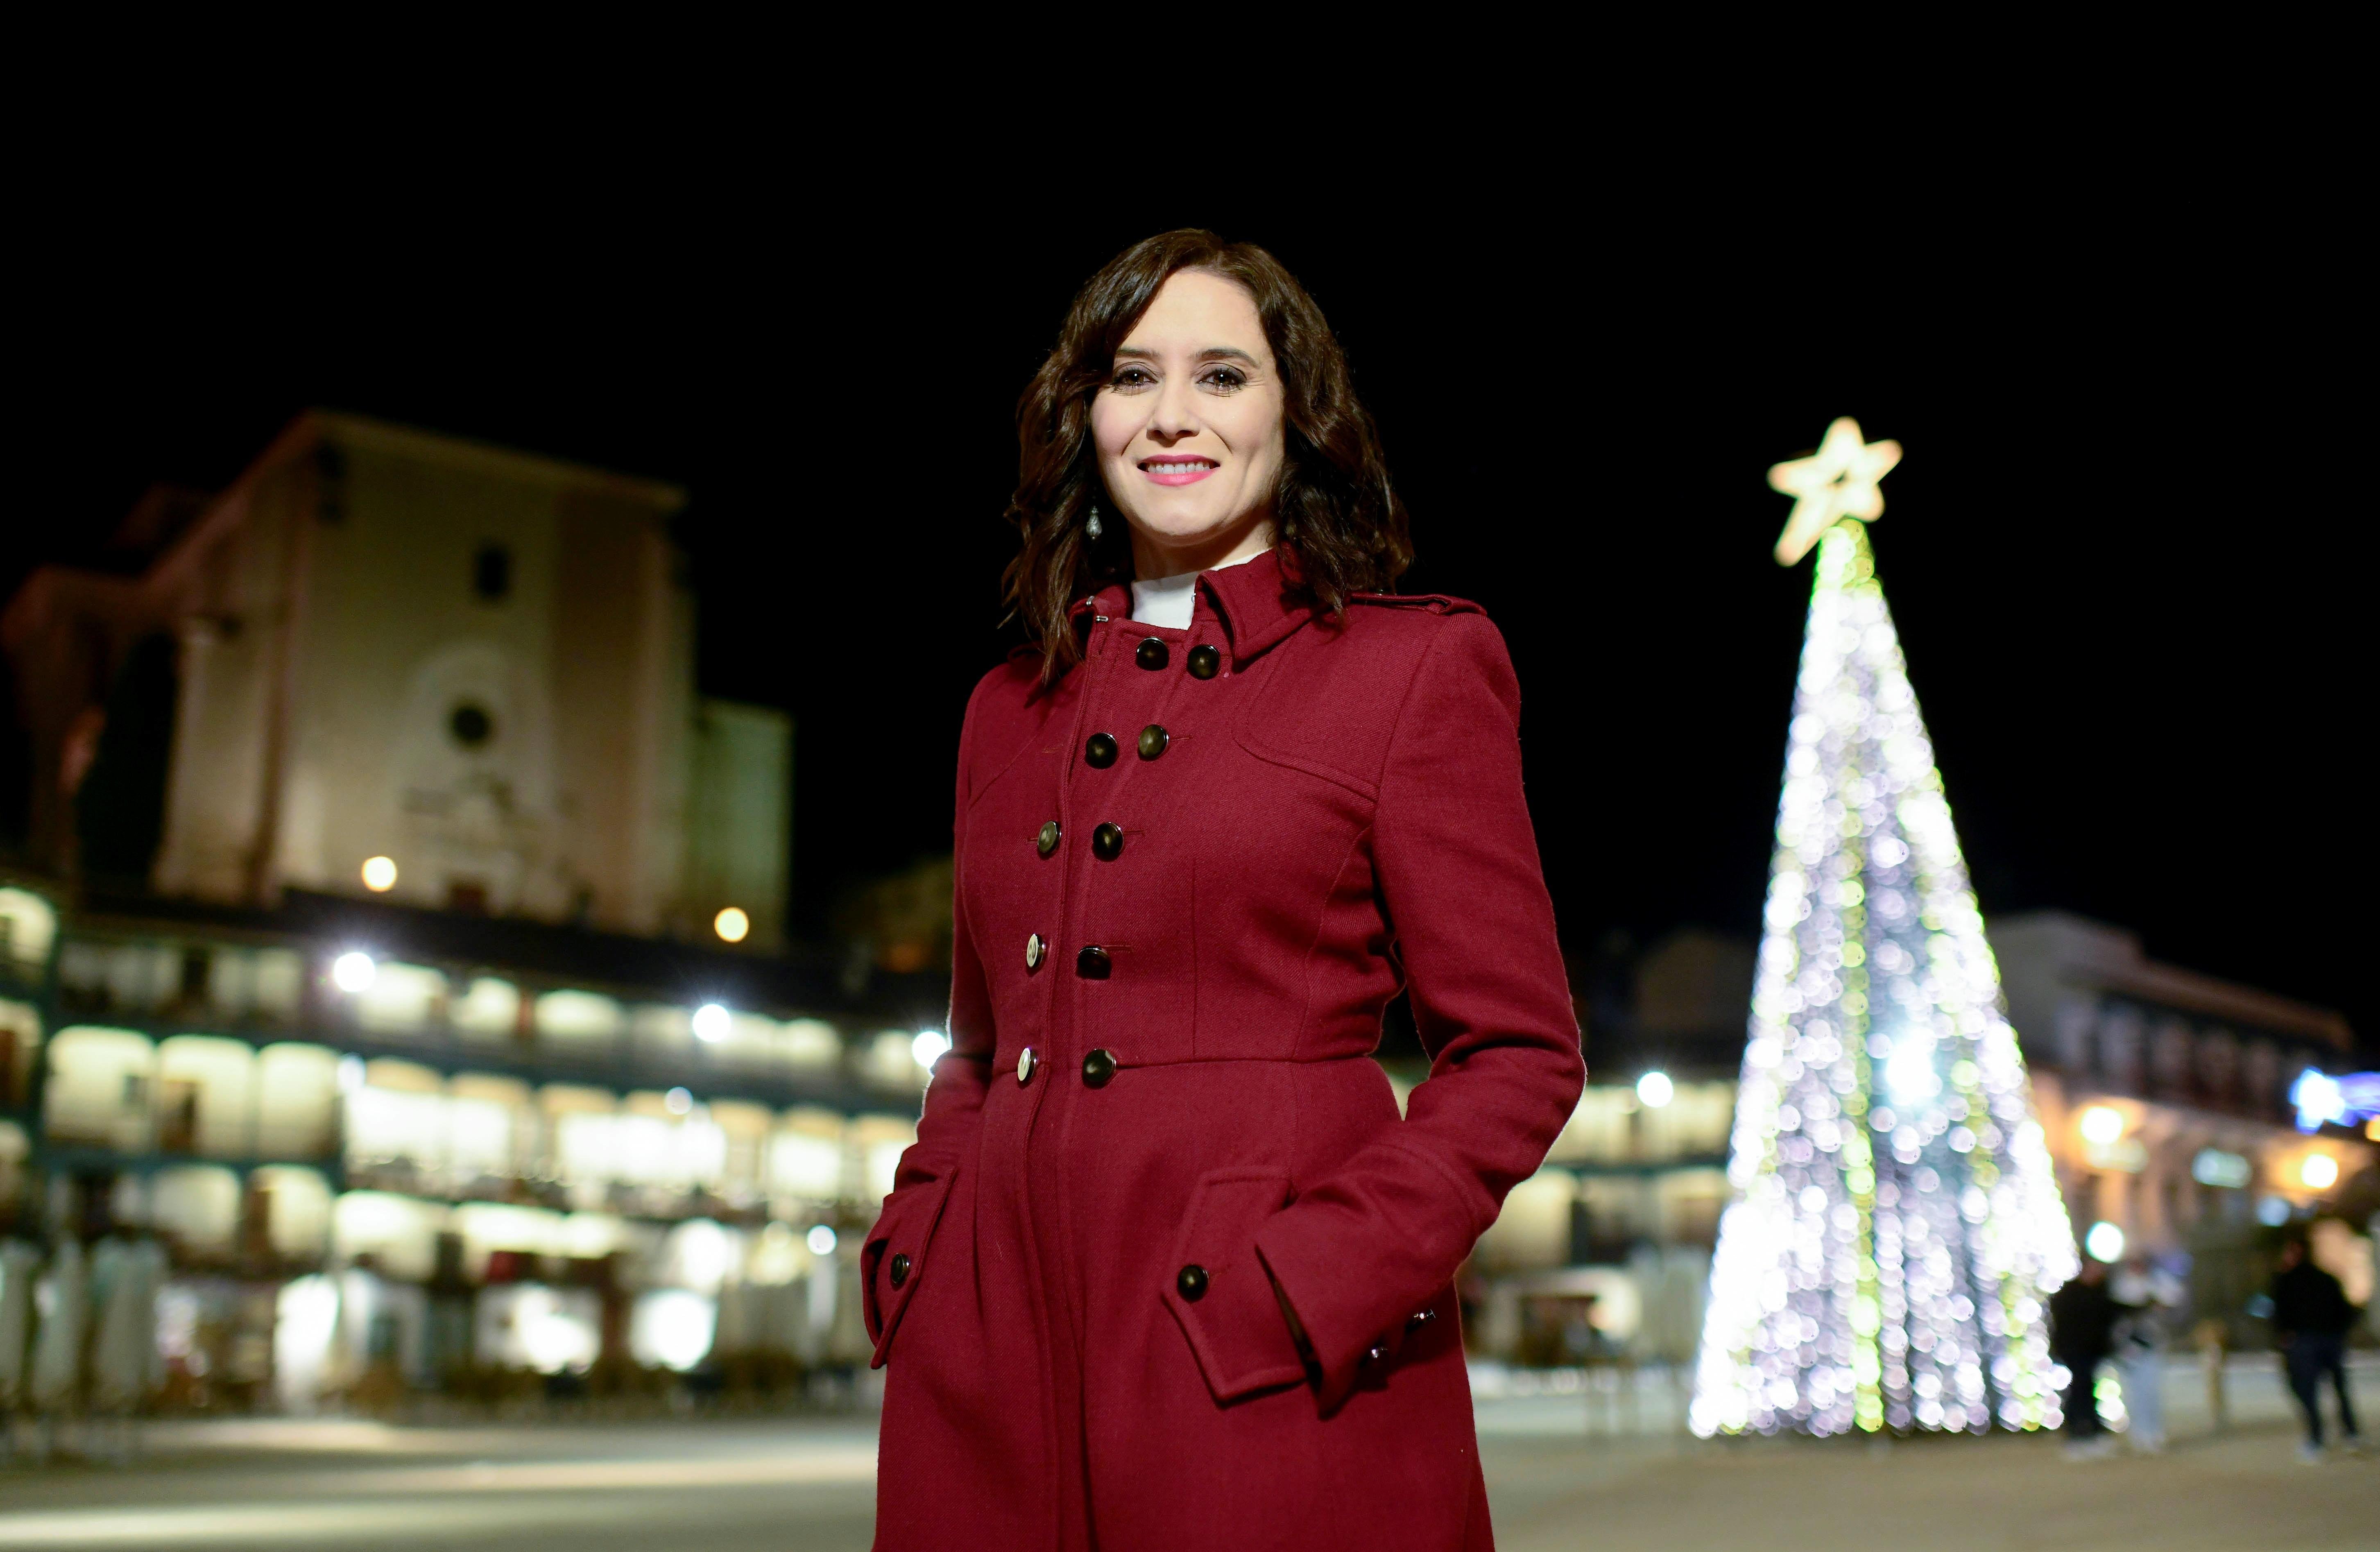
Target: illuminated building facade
{"x":2165,"y":1095}
{"x":385,"y":662}
{"x":399,"y":943}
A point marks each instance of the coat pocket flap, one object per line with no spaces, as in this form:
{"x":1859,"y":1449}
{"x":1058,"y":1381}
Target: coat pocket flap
{"x":1219,"y":1290}
{"x":893,"y":1263}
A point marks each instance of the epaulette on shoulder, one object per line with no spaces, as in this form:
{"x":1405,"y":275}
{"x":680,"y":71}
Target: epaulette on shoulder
{"x":1437,"y":603}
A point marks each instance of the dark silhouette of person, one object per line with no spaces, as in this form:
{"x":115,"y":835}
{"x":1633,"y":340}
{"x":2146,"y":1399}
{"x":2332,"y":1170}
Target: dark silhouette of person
{"x":2082,"y":1317}
{"x":2311,"y":1317}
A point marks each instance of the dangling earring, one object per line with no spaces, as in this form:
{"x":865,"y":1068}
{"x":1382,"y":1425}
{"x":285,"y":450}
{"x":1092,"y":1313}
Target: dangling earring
{"x":1092,"y":528}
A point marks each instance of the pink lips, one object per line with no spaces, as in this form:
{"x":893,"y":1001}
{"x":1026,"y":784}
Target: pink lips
{"x":1199,"y":470}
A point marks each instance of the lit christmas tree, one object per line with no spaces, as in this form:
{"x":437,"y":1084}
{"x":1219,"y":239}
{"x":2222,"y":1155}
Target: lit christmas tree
{"x":1896,"y":1229}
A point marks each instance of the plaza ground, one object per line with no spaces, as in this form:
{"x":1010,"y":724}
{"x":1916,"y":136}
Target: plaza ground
{"x":1570,"y":1464}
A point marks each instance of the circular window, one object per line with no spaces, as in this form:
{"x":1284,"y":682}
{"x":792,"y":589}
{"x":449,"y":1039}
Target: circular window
{"x":470,"y":726}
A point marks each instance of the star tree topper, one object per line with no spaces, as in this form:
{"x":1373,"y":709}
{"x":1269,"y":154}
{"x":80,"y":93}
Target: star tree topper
{"x":1837,"y":481}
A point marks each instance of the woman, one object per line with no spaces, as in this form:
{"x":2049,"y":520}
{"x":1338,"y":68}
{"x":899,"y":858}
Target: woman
{"x":1165,"y":1268}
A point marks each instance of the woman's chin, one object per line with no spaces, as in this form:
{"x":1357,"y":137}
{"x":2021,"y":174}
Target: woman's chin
{"x":1181,"y":530}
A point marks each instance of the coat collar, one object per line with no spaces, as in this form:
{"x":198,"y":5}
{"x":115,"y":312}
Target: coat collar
{"x":1260,"y":602}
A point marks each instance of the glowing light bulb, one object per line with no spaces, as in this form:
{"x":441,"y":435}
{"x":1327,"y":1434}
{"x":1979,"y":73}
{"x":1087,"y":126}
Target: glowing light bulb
{"x":712,"y":1022}
{"x":2102,"y":1124}
{"x":2320,"y":1171}
{"x":678,"y":1101}
{"x":354,"y":971}
{"x":731,"y":924}
{"x":1655,"y":1090}
{"x":1909,"y":1077}
{"x":929,"y":1047}
{"x":820,"y":1239}
{"x":2104,"y":1242}
{"x":379,"y":874}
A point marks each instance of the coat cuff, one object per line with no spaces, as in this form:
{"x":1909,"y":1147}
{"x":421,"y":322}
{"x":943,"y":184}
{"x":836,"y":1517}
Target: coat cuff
{"x":892,"y":1261}
{"x":1356,"y":1323}
{"x":1218,"y":1289}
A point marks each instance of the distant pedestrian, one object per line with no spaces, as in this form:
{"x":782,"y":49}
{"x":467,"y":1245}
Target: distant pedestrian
{"x":2082,"y":1330}
{"x":2144,"y":1292}
{"x":2311,"y":1317}
{"x":64,"y":1300}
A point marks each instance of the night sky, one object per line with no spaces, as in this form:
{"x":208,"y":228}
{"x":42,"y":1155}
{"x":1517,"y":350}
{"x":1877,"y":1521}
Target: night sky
{"x":2123,"y":550}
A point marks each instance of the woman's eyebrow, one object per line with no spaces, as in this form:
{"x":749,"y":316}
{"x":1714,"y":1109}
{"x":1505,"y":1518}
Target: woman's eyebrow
{"x":1211,"y":353}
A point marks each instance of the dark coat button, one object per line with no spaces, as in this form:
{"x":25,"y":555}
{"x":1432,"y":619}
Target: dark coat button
{"x":1092,"y":963}
{"x":1099,"y":750}
{"x":900,"y":1270}
{"x":1151,"y":654}
{"x":1107,"y":843}
{"x":1191,"y":1283}
{"x":1153,"y":740}
{"x":1046,"y":841}
{"x":1097,"y":1068}
{"x":1205,"y":662}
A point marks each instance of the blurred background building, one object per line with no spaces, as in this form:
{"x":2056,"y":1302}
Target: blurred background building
{"x":2166,"y":1096}
{"x":396,"y":940}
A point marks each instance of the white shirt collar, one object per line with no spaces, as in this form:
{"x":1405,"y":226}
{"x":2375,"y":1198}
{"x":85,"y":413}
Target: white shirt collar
{"x":1168,"y":601}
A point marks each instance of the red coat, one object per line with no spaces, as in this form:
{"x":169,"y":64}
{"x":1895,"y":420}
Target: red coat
{"x":1190,"y":876}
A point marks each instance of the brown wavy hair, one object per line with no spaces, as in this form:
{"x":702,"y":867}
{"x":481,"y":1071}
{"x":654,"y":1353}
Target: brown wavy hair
{"x":1334,"y":505}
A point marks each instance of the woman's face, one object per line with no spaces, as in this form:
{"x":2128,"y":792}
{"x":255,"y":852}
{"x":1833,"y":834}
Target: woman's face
{"x":1189,"y":428}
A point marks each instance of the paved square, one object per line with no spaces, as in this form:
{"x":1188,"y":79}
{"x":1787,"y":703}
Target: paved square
{"x":1571,"y":1462}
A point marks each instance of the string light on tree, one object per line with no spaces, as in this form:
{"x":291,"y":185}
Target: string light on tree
{"x":1895,"y":1229}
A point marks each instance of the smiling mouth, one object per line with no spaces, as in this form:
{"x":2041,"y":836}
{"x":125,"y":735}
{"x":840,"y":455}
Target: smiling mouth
{"x":1177,"y":471}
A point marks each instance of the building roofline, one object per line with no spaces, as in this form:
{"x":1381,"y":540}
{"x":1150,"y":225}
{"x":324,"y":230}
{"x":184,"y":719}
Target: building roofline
{"x":483,"y":456}
{"x":2100,"y":956}
{"x":229,"y":506}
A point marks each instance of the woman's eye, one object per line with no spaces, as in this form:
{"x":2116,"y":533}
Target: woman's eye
{"x":1132,"y":376}
{"x":1225,"y":378}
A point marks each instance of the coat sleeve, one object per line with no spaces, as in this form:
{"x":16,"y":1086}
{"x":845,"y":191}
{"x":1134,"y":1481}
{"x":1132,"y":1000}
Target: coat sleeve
{"x":1360,"y":1252}
{"x":953,"y":1108}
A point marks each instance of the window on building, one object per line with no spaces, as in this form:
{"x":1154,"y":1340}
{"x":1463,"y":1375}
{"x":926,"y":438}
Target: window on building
{"x":471,"y":725}
{"x":491,"y":573}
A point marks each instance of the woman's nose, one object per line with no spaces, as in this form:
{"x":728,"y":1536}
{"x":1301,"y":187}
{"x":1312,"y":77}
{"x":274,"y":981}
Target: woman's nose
{"x":1176,"y":413}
